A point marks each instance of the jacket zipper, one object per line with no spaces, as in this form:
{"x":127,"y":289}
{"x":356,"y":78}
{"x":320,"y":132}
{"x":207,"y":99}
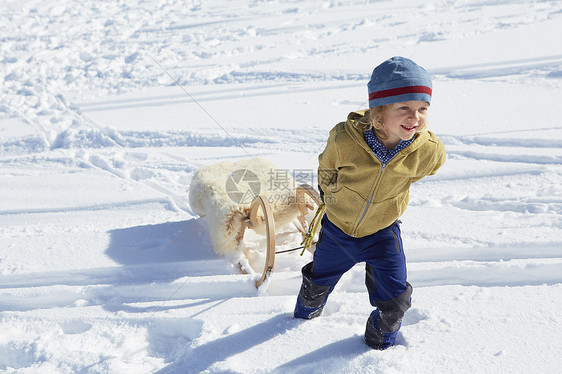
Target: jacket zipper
{"x":370,"y":199}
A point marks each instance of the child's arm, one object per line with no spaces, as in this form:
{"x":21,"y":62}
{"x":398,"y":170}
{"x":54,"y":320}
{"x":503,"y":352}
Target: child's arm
{"x":438,"y":159}
{"x":327,"y":166}
{"x":441,"y":156}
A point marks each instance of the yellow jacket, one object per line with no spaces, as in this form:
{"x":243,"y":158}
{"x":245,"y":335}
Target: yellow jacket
{"x":362,"y":196}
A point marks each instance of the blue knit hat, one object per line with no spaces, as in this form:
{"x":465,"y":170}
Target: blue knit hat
{"x":396,"y":80}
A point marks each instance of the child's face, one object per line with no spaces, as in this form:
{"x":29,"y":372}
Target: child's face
{"x":403,"y":120}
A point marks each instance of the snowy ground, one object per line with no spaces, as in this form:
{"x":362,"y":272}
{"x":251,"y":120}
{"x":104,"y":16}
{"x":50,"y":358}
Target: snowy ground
{"x":104,"y":268}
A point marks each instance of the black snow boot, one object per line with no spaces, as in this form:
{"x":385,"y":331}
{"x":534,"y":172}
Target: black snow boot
{"x":312,"y":297}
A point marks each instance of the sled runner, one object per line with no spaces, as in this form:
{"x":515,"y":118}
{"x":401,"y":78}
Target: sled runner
{"x":235,"y":196}
{"x":304,"y":207}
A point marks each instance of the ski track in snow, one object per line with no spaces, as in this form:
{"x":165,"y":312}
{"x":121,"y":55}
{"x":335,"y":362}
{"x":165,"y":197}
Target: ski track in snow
{"x":105,"y":268}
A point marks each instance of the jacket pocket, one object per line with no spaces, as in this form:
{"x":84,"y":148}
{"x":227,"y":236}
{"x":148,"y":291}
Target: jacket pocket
{"x":380,"y":216}
{"x":345,"y":204}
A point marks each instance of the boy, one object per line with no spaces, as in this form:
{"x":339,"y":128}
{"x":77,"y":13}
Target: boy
{"x":364,"y":177}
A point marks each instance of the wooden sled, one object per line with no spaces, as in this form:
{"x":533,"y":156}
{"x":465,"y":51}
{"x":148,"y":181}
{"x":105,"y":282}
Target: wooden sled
{"x":304,"y":208}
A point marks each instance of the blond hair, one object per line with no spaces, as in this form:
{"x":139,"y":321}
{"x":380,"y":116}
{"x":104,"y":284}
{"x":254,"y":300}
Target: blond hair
{"x":375,"y":121}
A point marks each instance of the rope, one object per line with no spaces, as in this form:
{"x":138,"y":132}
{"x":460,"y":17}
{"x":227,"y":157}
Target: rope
{"x":289,"y":250}
{"x":313,"y":228}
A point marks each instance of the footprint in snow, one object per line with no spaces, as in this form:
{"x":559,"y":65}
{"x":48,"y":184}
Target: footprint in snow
{"x":75,"y":327}
{"x":414,"y":316}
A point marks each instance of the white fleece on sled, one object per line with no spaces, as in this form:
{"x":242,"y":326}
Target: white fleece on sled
{"x":213,"y":188}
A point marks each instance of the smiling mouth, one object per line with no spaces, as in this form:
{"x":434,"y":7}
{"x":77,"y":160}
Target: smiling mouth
{"x":409,"y":128}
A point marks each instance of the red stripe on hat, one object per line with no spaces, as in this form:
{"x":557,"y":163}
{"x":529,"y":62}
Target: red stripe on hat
{"x":399,"y":91}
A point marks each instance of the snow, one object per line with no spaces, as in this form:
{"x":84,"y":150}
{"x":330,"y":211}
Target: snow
{"x":108,"y":108}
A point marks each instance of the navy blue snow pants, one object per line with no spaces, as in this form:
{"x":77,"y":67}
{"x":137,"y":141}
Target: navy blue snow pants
{"x":336,"y":252}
